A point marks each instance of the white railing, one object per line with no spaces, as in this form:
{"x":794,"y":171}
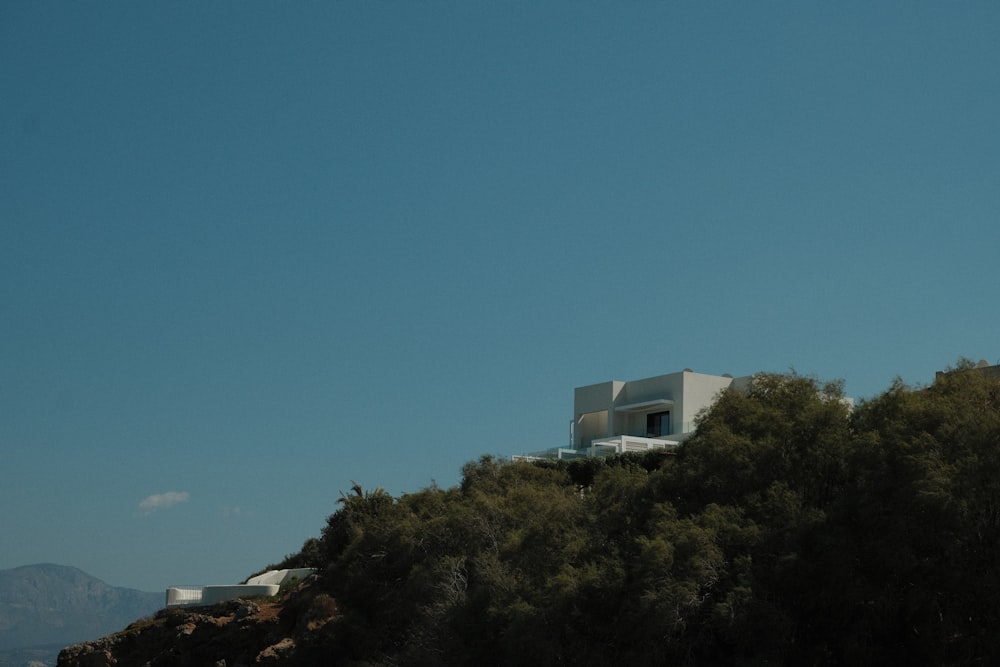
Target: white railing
{"x":551,"y":454}
{"x":178,"y":596}
{"x":618,"y":444}
{"x":621,"y":444}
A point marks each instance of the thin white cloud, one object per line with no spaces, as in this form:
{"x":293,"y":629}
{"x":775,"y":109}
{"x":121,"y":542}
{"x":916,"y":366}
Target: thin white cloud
{"x":161,"y":501}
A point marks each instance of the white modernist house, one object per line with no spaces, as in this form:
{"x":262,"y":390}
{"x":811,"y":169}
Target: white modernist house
{"x":268,"y":583}
{"x":653,"y":413}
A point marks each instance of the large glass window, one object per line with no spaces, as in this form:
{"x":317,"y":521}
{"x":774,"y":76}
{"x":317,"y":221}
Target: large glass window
{"x":657,"y":424}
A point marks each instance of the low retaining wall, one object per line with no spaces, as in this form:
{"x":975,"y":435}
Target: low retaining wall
{"x":281,"y":576}
{"x":214,"y":594}
{"x":265,"y":584}
{"x":182,"y":595}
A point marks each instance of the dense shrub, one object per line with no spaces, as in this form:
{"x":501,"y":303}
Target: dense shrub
{"x":788,"y":530}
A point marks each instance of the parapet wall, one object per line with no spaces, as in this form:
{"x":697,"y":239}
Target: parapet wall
{"x":216,"y":594}
{"x":179,"y":596}
{"x":267,"y":584}
{"x":281,"y":576}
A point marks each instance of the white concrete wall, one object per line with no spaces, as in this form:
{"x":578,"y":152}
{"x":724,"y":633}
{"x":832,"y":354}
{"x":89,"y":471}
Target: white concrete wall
{"x":180,"y":595}
{"x":650,"y":389}
{"x":281,"y":576}
{"x":594,"y":405}
{"x":590,"y":426}
{"x":216,"y":594}
{"x":268,"y":583}
{"x":700,"y":391}
{"x":596,"y":397}
{"x":592,"y":411}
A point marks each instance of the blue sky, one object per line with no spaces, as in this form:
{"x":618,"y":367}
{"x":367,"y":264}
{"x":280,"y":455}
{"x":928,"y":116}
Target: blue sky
{"x":254,"y":251}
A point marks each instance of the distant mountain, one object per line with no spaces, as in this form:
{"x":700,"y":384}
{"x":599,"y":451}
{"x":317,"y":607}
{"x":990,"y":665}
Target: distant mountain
{"x":38,"y":656}
{"x":46,"y":605}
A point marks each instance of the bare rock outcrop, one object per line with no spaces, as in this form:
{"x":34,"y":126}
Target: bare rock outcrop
{"x":285,"y":631}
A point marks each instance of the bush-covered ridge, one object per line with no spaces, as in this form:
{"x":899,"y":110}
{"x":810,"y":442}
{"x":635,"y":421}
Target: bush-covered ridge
{"x":787,"y":530}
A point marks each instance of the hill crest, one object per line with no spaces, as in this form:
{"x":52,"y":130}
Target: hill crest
{"x":46,"y":603}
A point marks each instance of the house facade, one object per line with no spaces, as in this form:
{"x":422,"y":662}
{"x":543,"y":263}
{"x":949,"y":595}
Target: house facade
{"x":659,"y":412}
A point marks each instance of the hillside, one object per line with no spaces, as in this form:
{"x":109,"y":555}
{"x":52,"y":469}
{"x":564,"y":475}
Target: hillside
{"x":789,"y":530}
{"x":56,"y":605}
{"x":283,"y":631}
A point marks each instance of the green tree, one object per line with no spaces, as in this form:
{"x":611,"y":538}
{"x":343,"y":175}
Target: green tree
{"x":787,"y":530}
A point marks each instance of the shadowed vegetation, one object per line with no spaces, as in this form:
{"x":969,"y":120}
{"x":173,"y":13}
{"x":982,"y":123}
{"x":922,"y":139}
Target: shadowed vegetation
{"x":788,"y":530}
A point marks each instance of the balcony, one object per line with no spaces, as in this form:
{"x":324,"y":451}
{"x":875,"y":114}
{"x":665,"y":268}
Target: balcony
{"x":620,"y":444}
{"x":617,"y":444}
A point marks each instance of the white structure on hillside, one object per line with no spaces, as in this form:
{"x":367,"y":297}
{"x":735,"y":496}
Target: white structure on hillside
{"x":653,"y":413}
{"x":267,"y":584}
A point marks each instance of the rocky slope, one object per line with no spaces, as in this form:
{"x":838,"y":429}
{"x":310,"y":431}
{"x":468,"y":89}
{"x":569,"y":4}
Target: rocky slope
{"x":290,"y":630}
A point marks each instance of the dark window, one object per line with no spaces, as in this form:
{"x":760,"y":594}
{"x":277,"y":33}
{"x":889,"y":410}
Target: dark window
{"x":657,"y":424}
